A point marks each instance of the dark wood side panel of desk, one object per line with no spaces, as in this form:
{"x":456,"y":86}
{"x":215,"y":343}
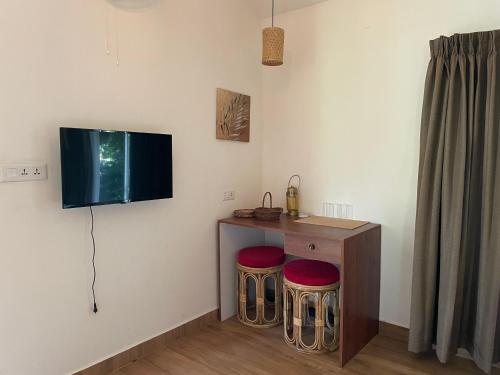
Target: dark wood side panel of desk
{"x":360,"y":292}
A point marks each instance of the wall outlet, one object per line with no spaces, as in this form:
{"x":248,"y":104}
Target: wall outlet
{"x":23,"y":172}
{"x":229,"y":195}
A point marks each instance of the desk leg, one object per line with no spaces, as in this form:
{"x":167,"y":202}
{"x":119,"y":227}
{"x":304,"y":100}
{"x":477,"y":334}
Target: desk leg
{"x":360,"y":277}
{"x":232,"y":238}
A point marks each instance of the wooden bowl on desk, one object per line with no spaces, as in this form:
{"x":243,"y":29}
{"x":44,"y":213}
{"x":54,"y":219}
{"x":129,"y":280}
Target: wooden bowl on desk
{"x":268,"y":213}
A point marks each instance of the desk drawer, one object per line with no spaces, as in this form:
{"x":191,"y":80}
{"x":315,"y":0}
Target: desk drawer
{"x":313,"y":248}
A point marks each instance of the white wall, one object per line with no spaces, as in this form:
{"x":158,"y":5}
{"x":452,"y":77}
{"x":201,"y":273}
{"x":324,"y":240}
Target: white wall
{"x":344,"y":112}
{"x":156,"y":261}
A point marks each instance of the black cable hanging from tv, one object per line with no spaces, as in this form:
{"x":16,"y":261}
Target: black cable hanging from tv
{"x":93,"y":258}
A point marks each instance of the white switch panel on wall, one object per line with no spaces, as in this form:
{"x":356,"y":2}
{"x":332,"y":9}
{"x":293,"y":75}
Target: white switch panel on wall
{"x":229,"y":195}
{"x":23,"y":172}
{"x":338,"y":210}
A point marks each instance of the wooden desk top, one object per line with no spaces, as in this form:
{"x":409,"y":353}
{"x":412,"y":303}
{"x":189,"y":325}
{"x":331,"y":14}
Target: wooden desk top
{"x":288,"y":225}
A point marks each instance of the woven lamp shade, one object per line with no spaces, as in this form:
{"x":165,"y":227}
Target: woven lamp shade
{"x":273,"y":41}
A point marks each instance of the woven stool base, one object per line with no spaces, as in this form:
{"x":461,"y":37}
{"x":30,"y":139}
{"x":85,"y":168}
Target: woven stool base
{"x":261,"y":305}
{"x":297,"y":320}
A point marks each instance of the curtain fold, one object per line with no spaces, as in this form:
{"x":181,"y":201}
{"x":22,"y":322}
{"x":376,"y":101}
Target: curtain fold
{"x":456,"y":266}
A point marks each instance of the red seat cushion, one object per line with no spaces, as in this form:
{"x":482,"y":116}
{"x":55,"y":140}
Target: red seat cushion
{"x":311,"y":272}
{"x":261,"y":257}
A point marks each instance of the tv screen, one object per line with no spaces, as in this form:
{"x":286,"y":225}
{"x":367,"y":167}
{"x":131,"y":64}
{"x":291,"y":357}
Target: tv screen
{"x":104,"y":167}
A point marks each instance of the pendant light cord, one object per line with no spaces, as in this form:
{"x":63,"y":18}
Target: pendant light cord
{"x":272,"y":18}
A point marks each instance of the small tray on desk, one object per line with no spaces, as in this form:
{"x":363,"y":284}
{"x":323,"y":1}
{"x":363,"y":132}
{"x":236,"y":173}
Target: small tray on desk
{"x":332,"y":222}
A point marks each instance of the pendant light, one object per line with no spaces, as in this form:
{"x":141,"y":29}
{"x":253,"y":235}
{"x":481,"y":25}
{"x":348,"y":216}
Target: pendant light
{"x":273,"y":41}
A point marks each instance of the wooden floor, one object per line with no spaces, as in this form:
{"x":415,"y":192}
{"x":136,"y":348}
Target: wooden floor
{"x":231,"y":348}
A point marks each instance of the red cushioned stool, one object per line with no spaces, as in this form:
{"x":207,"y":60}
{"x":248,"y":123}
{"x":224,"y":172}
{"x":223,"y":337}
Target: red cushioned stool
{"x":260,"y":286}
{"x":311,"y":305}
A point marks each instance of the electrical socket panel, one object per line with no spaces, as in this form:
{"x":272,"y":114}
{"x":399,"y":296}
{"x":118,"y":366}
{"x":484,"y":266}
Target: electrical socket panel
{"x":23,"y":172}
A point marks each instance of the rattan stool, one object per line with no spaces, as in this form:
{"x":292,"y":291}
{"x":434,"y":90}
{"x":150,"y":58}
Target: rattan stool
{"x":311,"y":306}
{"x":260,"y":306}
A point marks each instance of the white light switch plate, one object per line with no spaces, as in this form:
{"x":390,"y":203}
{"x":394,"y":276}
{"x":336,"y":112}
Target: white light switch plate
{"x":229,"y":195}
{"x":23,"y":172}
{"x":338,"y":210}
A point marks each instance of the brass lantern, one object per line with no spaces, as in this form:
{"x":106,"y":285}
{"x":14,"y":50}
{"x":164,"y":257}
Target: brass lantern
{"x":273,"y":41}
{"x":292,"y":197}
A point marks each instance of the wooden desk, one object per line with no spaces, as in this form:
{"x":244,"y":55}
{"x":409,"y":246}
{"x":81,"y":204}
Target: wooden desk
{"x":356,"y":252}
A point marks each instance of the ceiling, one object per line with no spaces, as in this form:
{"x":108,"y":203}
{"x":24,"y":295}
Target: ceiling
{"x":282,"y":6}
{"x":263,"y":6}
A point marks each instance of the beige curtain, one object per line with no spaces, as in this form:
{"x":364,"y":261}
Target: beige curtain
{"x":456,"y":268}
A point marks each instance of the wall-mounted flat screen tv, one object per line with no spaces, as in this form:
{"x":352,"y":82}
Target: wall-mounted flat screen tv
{"x":105,"y":167}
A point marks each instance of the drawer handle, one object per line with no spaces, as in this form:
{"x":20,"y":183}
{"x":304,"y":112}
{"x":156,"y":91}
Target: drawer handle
{"x":311,"y":247}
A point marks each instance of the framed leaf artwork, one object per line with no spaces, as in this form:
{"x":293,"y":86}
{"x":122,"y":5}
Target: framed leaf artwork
{"x":233,"y":116}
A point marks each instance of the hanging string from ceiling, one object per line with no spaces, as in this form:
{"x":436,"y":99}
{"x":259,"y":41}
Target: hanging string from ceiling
{"x":107,"y":44}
